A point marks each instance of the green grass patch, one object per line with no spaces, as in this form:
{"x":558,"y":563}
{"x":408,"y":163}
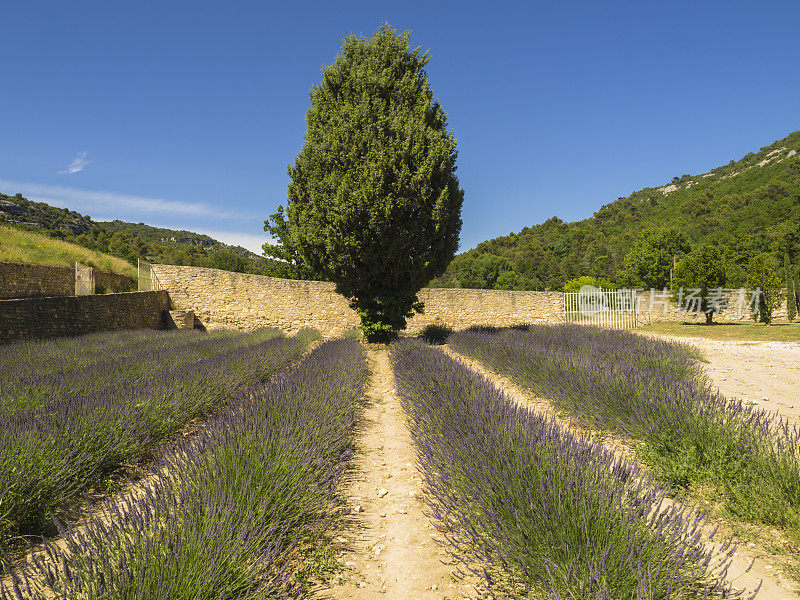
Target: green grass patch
{"x":21,"y":246}
{"x":781,"y":331}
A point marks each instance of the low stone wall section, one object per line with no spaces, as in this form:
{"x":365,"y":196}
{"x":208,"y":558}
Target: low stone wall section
{"x":221,"y":299}
{"x":23,"y":280}
{"x":657,"y":306}
{"x":74,"y":315}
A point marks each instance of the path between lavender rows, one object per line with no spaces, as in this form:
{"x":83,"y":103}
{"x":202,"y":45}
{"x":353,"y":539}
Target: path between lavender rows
{"x":390,"y":547}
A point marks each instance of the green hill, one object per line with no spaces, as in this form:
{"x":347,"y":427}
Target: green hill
{"x":39,"y":215}
{"x":175,"y":237}
{"x":132,"y":241}
{"x":746,"y":207}
{"x":17,"y":245}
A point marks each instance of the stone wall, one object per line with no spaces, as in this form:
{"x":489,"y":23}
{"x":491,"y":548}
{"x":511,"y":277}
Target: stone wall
{"x":221,"y":299}
{"x":22,"y":280}
{"x":73,"y":315}
{"x":18,"y":280}
{"x":655,"y":307}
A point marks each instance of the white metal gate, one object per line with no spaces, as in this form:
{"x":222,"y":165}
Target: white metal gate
{"x":615,"y":309}
{"x":84,"y":280}
{"x":145,"y":277}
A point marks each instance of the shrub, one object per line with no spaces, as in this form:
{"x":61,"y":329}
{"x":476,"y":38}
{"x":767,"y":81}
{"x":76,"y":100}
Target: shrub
{"x":436,"y":334}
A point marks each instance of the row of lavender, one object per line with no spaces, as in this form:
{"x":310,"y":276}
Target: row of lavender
{"x":65,"y":431}
{"x":526,"y":504}
{"x":649,"y":390}
{"x":34,"y":372}
{"x":223,"y":513}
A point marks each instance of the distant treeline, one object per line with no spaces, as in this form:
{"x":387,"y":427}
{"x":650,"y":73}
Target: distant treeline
{"x":133,"y":241}
{"x":745,"y":208}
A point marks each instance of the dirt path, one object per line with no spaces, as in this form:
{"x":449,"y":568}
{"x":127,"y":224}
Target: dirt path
{"x":391,"y":547}
{"x":774,"y":586}
{"x":763,"y":373}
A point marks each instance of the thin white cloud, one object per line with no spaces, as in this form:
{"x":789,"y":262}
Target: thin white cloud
{"x":77,"y":164}
{"x":126,"y":206}
{"x":251,"y":241}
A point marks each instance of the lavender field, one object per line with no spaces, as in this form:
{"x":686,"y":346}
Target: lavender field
{"x":227,"y":508}
{"x":656,"y":392}
{"x":75,"y":412}
{"x":241,"y":445}
{"x":528,"y":505}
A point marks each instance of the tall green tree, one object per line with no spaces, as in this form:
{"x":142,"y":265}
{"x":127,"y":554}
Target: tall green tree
{"x":791,"y":288}
{"x":788,"y":248}
{"x":701,"y":275}
{"x":763,"y":274}
{"x":650,"y":262}
{"x":374,"y":204}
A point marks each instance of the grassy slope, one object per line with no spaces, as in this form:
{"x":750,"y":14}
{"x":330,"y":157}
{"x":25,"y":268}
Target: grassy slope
{"x":130,"y":241}
{"x":27,"y":247}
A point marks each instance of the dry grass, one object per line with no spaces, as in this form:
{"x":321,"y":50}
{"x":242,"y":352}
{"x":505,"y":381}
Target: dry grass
{"x":782,"y":331}
{"x":27,"y":247}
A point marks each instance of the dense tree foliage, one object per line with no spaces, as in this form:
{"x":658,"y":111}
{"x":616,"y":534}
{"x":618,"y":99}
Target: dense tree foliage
{"x":743,"y":208}
{"x":373,"y":204}
{"x":763,"y":273}
{"x":650,"y":262}
{"x":575,"y":285}
{"x":699,"y":279}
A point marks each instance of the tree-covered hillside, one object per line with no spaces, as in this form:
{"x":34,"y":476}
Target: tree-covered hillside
{"x":166,"y":236}
{"x":132,"y":241}
{"x":745,"y":208}
{"x":39,"y":215}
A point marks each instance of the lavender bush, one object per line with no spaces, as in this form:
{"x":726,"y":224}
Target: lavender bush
{"x":54,"y":449}
{"x":224,"y":512}
{"x":527,"y":503}
{"x":655,"y":392}
{"x":74,"y":367}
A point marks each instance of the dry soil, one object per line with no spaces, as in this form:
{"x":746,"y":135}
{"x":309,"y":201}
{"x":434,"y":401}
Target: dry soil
{"x":391,"y":548}
{"x":762,"y":373}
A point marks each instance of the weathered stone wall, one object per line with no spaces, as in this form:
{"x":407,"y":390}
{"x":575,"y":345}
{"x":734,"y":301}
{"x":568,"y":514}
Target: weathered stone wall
{"x":460,"y":308}
{"x":22,"y":280}
{"x":657,"y":307}
{"x":73,"y":315}
{"x":221,"y":299}
{"x":18,"y":280}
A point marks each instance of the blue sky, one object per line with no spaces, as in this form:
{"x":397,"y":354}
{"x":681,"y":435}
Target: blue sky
{"x":185,"y":114}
